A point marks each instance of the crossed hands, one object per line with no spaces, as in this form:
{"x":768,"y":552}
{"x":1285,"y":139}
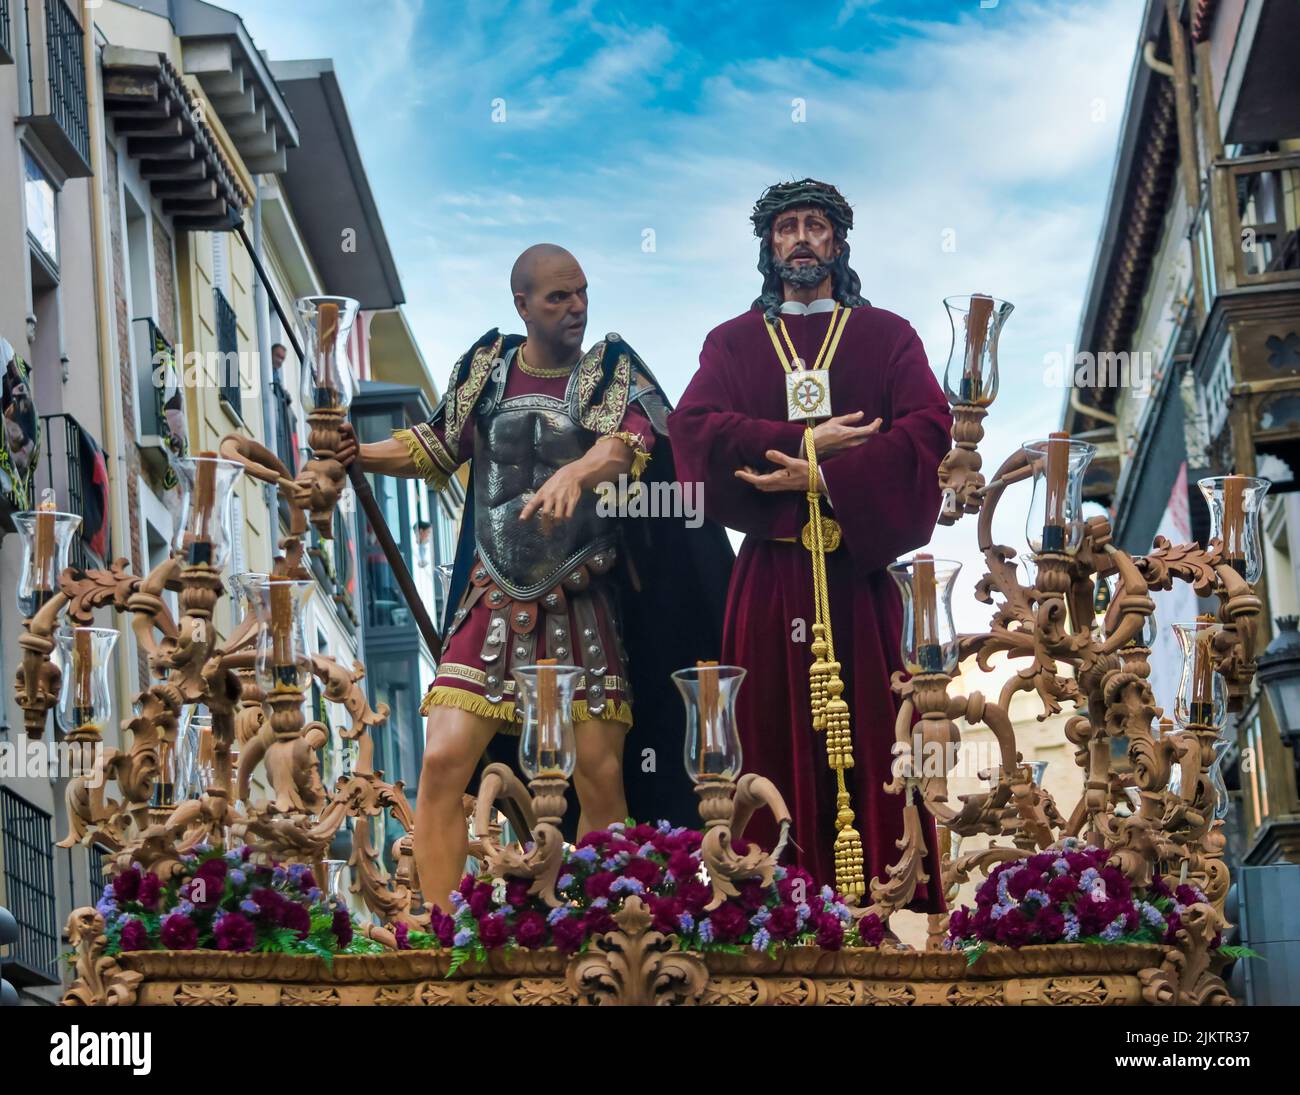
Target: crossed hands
{"x":834,"y":435}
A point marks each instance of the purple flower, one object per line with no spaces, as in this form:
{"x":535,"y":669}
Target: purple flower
{"x":600,"y":884}
{"x":234,"y":932}
{"x":783,"y":922}
{"x":402,"y":933}
{"x":135,"y":936}
{"x":830,"y":932}
{"x":480,"y":900}
{"x":871,"y":930}
{"x":729,"y":922}
{"x":179,"y":933}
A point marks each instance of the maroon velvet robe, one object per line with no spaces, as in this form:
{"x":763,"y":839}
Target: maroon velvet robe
{"x":885,"y":496}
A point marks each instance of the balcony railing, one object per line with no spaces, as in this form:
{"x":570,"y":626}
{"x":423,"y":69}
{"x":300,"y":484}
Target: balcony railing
{"x":29,"y":890}
{"x":1257,"y":235}
{"x":72,"y":460}
{"x":56,"y":84}
{"x":6,"y":35}
{"x":228,"y":347}
{"x":160,"y":395}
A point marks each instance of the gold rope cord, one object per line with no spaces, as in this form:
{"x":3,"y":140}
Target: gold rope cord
{"x":830,"y":711}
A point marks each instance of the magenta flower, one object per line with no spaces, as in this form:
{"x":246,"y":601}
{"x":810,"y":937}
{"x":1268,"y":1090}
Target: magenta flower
{"x":179,"y":933}
{"x":402,"y":932}
{"x":149,"y":892}
{"x":135,"y":936}
{"x":234,"y":932}
{"x":296,"y":918}
{"x":871,"y":930}
{"x":517,"y":892}
{"x":729,"y":921}
{"x":783,"y":923}
{"x":493,"y":931}
{"x":599,"y":883}
{"x":830,"y":932}
{"x":126,"y":885}
{"x":569,"y":933}
{"x":530,"y":929}
{"x":341,"y":926}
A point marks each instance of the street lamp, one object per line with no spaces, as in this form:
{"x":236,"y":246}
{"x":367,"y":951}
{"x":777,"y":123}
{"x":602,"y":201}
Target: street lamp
{"x":1279,"y":673}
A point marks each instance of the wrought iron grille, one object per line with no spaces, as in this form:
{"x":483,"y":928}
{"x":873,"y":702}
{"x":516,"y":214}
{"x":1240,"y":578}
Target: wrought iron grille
{"x":228,"y":347}
{"x":98,"y":861}
{"x":72,"y":478}
{"x":29,"y":885}
{"x":63,"y":38}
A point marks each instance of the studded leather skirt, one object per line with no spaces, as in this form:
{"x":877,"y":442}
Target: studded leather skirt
{"x":575,"y":622}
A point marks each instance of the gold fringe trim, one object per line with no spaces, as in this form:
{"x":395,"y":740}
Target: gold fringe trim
{"x":424,"y":466}
{"x":449,"y":696}
{"x":640,"y":455}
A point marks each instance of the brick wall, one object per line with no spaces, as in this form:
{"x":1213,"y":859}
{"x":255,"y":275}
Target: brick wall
{"x":165,"y":281}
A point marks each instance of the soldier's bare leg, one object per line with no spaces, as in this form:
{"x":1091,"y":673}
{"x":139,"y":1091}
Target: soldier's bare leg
{"x":598,"y":776}
{"x":454,"y":741}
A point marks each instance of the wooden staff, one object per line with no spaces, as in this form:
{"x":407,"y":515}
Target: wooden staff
{"x":977,"y":323}
{"x":365,"y":496}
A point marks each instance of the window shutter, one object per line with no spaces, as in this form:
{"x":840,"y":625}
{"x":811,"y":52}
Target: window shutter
{"x":221,"y":262}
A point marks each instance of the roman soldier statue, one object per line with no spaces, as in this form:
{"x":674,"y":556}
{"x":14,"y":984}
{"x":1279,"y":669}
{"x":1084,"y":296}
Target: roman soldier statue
{"x":542,"y":570}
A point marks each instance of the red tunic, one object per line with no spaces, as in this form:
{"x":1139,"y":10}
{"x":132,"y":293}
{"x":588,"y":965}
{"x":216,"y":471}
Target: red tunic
{"x":885,"y":496}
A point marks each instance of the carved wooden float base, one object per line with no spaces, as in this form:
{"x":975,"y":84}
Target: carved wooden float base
{"x":1071,"y":974}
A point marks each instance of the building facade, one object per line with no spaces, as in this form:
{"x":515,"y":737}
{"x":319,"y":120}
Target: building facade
{"x":166,"y":194}
{"x":1191,"y":337}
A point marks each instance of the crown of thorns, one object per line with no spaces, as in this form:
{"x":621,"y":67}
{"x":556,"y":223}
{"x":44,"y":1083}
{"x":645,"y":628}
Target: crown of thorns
{"x":804,"y":192}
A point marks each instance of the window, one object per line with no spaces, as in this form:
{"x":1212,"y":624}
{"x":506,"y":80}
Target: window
{"x":29,"y":888}
{"x":38,"y":193}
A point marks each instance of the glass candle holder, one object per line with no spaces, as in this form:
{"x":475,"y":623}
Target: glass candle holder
{"x":325,"y":324}
{"x":712,"y":739}
{"x":85,"y":697}
{"x":282,"y":662}
{"x":203,"y":531}
{"x":1055,"y":520}
{"x":548,"y":746}
{"x":1202,"y":698}
{"x":242,"y":588}
{"x":929,"y":640}
{"x":46,"y":536}
{"x":1235,"y":502}
{"x":971,"y":375}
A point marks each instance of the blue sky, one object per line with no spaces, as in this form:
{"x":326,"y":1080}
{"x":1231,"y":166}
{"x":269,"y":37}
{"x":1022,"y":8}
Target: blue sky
{"x":976,"y":144}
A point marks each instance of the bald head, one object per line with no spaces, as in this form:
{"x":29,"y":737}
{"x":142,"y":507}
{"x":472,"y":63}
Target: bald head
{"x":524,"y":273}
{"x":550,"y":292}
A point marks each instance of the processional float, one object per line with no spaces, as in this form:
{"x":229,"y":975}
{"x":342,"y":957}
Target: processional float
{"x":1149,"y":793}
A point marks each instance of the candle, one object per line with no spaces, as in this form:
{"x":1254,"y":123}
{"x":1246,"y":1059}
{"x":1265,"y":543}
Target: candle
{"x":327,"y":333}
{"x":83,"y":668}
{"x":1234,"y":522}
{"x":1057,"y":483}
{"x":1202,"y":698}
{"x":929,"y":656}
{"x":201,"y":509}
{"x":548,"y":715}
{"x":207,"y":751}
{"x":977,"y":322}
{"x":282,"y":665}
{"x":711,"y":750}
{"x":44,"y":548}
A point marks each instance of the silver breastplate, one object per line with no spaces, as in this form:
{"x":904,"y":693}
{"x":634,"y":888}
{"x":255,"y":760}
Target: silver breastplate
{"x":516,"y":449}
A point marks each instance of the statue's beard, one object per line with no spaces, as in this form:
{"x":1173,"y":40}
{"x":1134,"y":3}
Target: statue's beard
{"x":802,"y":277}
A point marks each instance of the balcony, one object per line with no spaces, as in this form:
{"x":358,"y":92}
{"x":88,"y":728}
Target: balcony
{"x":56,"y":85}
{"x":163,"y":129}
{"x":74,"y":466}
{"x":160,"y":398}
{"x":28,"y":845}
{"x":227,"y":328}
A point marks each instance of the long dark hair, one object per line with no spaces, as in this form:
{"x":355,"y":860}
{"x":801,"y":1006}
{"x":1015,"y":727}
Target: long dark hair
{"x":846,"y":286}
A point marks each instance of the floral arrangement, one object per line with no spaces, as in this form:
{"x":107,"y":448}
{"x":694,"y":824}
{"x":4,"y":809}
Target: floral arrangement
{"x":661,"y":865}
{"x":1070,"y":895}
{"x":222,"y":901}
